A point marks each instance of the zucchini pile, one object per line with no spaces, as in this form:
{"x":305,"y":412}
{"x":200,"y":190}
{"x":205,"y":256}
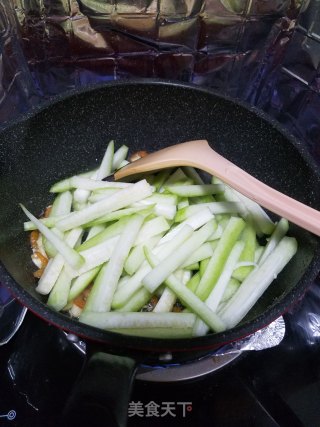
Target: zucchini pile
{"x":168,"y":256}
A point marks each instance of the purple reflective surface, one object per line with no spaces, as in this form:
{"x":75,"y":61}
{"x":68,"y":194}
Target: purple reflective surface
{"x":5,"y":296}
{"x":266,"y":53}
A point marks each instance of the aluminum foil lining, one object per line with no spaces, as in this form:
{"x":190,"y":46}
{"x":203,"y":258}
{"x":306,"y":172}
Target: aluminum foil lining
{"x":304,"y":318}
{"x":268,"y":337}
{"x":12,"y":314}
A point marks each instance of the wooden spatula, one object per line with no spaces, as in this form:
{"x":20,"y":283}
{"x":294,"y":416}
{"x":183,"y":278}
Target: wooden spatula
{"x":200,"y":155}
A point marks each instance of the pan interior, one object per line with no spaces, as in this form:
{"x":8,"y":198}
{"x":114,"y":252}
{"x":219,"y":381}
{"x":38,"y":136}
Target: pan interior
{"x":70,"y":137}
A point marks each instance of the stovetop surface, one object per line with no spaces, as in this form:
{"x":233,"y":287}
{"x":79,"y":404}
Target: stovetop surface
{"x":274,"y":387}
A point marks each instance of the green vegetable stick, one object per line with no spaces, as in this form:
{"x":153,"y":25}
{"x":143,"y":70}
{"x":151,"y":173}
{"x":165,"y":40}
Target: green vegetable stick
{"x":257,"y":282}
{"x":95,"y":256}
{"x":60,"y":206}
{"x":250,"y":210}
{"x":160,"y":178}
{"x":93,"y":184}
{"x":49,"y":222}
{"x":203,"y":199}
{"x":111,"y":231}
{"x":174,"y":261}
{"x":121,"y":213}
{"x":65,"y":184}
{"x":79,"y":284}
{"x":203,"y":266}
{"x":102,"y":292}
{"x":203,"y":252}
{"x":94,"y":231}
{"x":194,"y":282}
{"x":231,"y":288}
{"x":124,"y":293}
{"x":189,"y":298}
{"x":167,"y":333}
{"x":97,"y":196}
{"x":183,"y":203}
{"x":194,"y":190}
{"x":164,"y":199}
{"x":219,"y":257}
{"x":58,"y":297}
{"x":136,"y":301}
{"x":119,"y":156}
{"x":280,"y":231}
{"x":119,"y":200}
{"x":194,"y":266}
{"x":72,"y":257}
{"x":195,"y":221}
{"x":105,"y":168}
{"x":56,"y":264}
{"x":112,"y":320}
{"x":177,"y":177}
{"x":168,"y":298}
{"x":258,"y":253}
{"x":213,"y":300}
{"x":136,"y":256}
{"x":151,"y":228}
{"x":248,"y":236}
{"x":215,"y":208}
{"x":193,"y":174}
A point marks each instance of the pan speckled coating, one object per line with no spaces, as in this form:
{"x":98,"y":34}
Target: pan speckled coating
{"x":69,"y":136}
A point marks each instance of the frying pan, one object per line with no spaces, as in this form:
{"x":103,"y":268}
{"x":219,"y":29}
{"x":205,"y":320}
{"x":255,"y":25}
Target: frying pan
{"x":69,"y":135}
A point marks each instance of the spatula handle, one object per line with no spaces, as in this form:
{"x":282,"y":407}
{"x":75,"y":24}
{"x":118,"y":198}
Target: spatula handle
{"x":277,"y":202}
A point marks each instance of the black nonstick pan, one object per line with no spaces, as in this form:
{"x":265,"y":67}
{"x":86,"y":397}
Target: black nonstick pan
{"x":69,"y":135}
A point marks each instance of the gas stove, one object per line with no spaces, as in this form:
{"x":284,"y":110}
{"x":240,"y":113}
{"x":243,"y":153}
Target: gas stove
{"x":279,"y":386}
